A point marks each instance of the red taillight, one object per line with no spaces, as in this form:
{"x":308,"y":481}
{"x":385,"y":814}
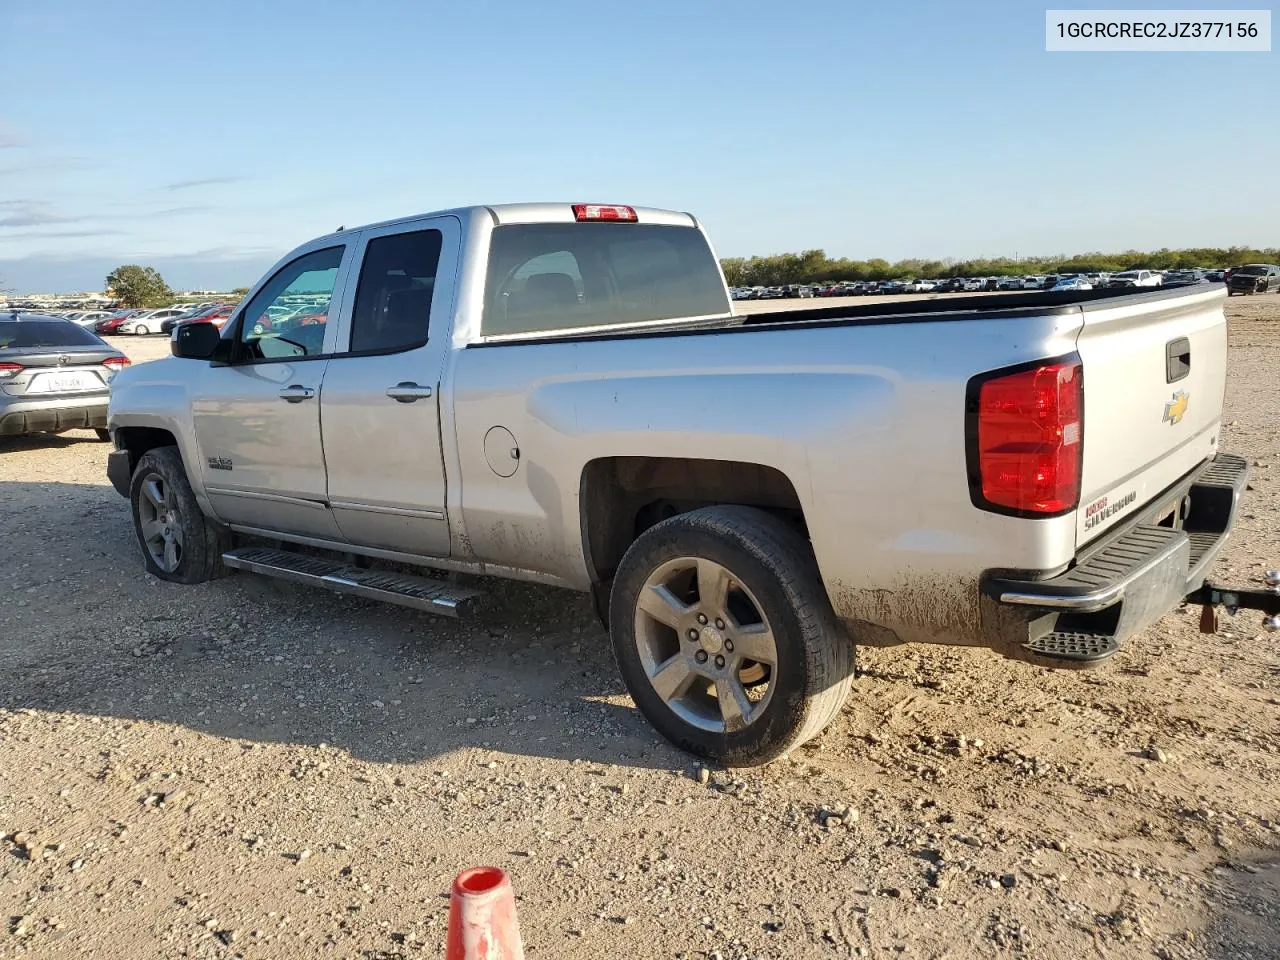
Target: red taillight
{"x":1030,"y":437}
{"x":116,"y":363}
{"x":603,"y":211}
{"x":8,"y":370}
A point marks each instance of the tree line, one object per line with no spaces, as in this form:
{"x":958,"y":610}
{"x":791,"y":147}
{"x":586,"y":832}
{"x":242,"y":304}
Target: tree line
{"x":814,"y":266}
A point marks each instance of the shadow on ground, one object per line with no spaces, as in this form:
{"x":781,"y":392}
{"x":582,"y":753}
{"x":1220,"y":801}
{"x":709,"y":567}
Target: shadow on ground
{"x":84,"y":629}
{"x":1246,"y":921}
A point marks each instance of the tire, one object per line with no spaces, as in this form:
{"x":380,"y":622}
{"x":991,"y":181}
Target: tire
{"x":770,"y":570}
{"x":160,"y":498}
{"x":141,"y":330}
{"x":103,"y":434}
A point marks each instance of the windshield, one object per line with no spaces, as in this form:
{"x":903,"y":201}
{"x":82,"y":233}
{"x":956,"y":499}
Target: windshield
{"x":45,"y":333}
{"x":1253,"y":270}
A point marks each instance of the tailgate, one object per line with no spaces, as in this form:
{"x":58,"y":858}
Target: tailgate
{"x":1154,"y":375}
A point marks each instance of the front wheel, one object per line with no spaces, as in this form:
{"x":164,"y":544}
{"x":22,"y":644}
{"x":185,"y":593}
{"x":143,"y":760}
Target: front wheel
{"x":179,"y":543}
{"x":725,"y":637}
{"x":142,"y":330}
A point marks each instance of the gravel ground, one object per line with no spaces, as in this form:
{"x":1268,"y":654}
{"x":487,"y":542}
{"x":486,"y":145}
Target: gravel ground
{"x":252,"y":769}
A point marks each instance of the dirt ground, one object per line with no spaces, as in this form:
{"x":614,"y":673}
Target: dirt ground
{"x":253,"y":769}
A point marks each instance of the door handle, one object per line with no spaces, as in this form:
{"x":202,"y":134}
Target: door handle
{"x":296,"y":393}
{"x":406,"y":391}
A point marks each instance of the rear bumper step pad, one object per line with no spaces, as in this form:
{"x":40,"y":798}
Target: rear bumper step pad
{"x":420,"y":593}
{"x":1146,"y":570}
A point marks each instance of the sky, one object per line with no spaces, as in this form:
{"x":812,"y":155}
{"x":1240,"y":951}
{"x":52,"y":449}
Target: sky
{"x":209,"y":139}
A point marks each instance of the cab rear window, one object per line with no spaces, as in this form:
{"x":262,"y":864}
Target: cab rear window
{"x":545,"y":278}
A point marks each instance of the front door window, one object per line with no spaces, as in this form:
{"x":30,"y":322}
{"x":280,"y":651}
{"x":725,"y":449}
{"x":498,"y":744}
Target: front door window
{"x":286,"y":319}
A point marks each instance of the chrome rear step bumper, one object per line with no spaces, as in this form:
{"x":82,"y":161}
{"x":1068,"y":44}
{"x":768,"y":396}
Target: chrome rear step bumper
{"x":1133,"y":578}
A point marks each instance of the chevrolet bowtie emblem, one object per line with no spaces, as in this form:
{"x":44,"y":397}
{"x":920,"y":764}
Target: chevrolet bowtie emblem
{"x":1176,"y":408}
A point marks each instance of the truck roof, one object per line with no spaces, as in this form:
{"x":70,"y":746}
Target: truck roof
{"x":507,"y":213}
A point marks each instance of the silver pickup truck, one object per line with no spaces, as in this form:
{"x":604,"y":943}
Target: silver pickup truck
{"x":561,"y":393}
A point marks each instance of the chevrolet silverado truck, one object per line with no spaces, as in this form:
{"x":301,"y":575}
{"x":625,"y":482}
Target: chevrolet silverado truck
{"x":561,"y":393}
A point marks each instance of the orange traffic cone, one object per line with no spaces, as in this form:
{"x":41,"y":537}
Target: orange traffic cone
{"x":482,"y":917}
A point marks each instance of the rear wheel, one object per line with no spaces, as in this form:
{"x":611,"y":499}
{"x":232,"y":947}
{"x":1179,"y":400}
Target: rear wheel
{"x":725,"y":637}
{"x":142,"y":330}
{"x":179,"y":543}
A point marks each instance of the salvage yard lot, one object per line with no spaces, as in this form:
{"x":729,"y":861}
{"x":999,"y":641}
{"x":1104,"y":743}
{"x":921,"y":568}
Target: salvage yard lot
{"x":250,"y":768}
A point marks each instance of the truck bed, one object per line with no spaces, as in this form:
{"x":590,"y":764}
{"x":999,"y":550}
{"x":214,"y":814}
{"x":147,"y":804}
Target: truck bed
{"x":979,"y":306}
{"x":949,"y":307}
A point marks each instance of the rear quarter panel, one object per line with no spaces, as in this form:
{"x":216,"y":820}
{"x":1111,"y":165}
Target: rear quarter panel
{"x":867,"y":421}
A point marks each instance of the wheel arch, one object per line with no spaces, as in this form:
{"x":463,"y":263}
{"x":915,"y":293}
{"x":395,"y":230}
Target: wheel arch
{"x":622,"y":496}
{"x":138,"y":440}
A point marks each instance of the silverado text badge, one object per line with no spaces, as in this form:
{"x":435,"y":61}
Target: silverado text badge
{"x":219,"y":463}
{"x":1176,"y":408}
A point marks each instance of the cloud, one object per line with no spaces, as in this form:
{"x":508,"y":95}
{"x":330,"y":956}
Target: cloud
{"x":50,"y":165}
{"x":206,"y":182}
{"x":220,"y":268}
{"x":10,"y":139}
{"x":150,"y":214}
{"x":60,"y":234}
{"x":31,"y":213}
{"x":178,"y":211}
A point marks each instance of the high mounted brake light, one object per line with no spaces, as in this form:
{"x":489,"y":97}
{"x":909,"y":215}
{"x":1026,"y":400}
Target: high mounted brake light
{"x":1026,"y":435}
{"x":602,"y":211}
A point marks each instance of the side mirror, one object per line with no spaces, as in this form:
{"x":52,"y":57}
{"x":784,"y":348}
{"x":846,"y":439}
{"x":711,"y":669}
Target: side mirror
{"x":195,"y":341}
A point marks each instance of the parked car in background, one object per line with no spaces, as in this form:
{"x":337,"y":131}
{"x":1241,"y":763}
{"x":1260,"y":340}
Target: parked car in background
{"x":1183,"y":276}
{"x":1074,"y":282}
{"x":892,"y":286}
{"x":86,"y":318}
{"x":920,"y":286}
{"x":1135,"y":278}
{"x":1216,"y":276}
{"x":950,"y":285}
{"x":1009,"y":283}
{"x":111,"y":324}
{"x":793,"y":291}
{"x":148,"y":321}
{"x":54,"y":376}
{"x":1254,"y":278}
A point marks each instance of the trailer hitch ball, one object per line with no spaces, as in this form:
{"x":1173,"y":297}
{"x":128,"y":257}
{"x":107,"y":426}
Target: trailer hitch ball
{"x":1272,"y":622}
{"x":1272,"y":578}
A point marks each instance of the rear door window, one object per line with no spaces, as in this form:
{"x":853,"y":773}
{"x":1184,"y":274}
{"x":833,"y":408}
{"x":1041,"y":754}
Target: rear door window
{"x":393,"y":300}
{"x":559,"y":277}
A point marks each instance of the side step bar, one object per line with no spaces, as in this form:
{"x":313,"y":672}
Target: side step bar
{"x":421,"y":593}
